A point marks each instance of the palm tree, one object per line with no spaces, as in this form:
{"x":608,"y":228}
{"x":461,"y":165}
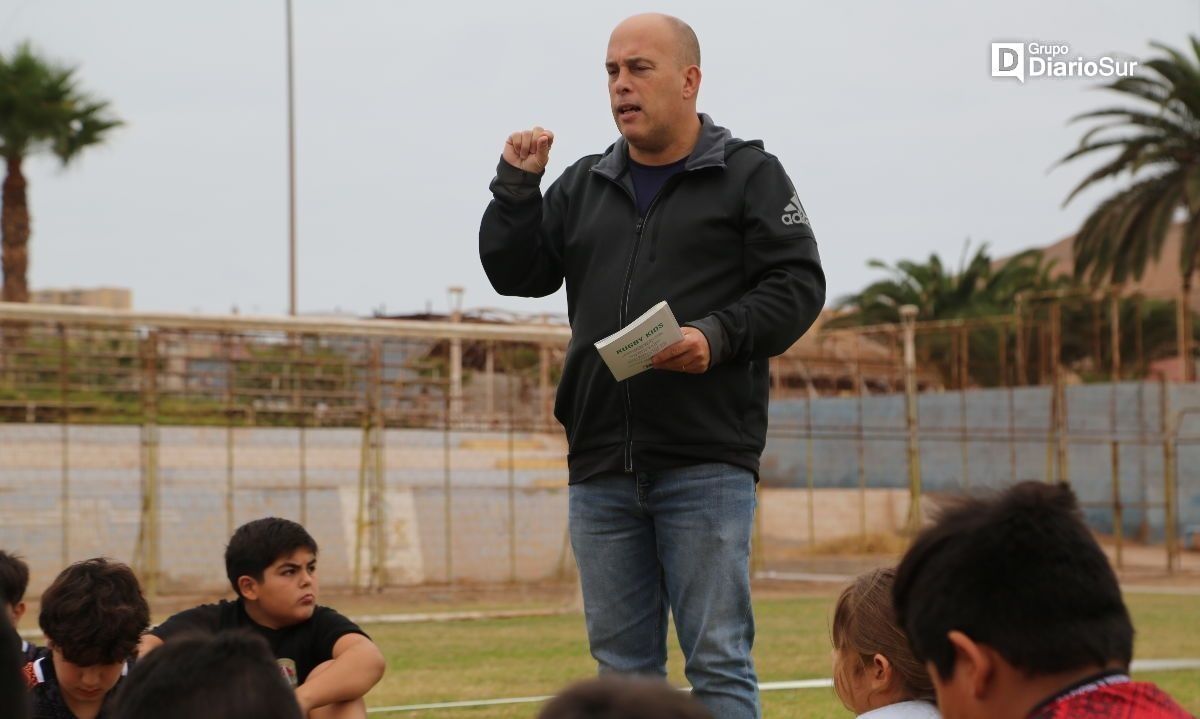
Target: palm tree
{"x":980,"y":287}
{"x":1158,"y":145}
{"x":41,"y":110}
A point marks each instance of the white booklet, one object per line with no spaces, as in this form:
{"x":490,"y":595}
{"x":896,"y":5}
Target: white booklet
{"x":628,"y":351}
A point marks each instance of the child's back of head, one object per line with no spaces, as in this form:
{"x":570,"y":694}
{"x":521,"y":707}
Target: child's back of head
{"x":613,"y":697}
{"x":873,"y":664}
{"x":231,"y":675}
{"x":1013,"y":594}
{"x":14,"y":580}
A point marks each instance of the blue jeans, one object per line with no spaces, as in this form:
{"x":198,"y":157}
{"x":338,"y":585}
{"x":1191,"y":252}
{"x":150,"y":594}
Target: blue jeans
{"x":676,"y":538}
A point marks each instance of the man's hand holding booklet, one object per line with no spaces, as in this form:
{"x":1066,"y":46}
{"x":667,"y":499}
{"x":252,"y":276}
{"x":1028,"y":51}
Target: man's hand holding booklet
{"x":630,"y":350}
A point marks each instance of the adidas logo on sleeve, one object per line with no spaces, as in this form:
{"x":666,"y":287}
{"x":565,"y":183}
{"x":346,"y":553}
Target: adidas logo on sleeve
{"x":794,"y":214}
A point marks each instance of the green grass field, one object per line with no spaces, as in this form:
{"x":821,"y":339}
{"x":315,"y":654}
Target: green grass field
{"x":486,"y":659}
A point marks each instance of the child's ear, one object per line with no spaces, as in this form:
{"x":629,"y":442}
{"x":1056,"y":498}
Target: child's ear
{"x":18,"y":611}
{"x":248,"y":588}
{"x":974,"y":661}
{"x":881,"y":670}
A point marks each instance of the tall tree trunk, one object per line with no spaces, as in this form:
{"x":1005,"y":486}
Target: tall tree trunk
{"x":14,"y":235}
{"x":1185,"y":327}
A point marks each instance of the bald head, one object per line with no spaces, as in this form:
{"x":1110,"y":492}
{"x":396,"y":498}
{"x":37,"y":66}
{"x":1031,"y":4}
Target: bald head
{"x":674,"y":32}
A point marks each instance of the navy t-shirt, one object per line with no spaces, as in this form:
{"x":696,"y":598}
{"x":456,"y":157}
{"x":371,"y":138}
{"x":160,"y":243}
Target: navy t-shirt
{"x":649,"y":179}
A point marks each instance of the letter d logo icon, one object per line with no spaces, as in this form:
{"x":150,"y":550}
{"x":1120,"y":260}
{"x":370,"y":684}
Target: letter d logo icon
{"x":1008,"y":60}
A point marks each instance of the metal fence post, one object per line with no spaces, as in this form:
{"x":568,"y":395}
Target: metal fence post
{"x":360,"y":519}
{"x":149,"y":535}
{"x":512,"y":486}
{"x":908,"y":314}
{"x":1019,"y":340}
{"x":230,"y":379}
{"x":378,"y":477}
{"x":456,"y":357}
{"x":861,"y":443}
{"x":448,"y":516}
{"x":809,"y":471}
{"x":1012,"y":406}
{"x":1115,"y":444}
{"x":1183,"y":331}
{"x":1169,"y":428}
{"x":64,"y":372}
{"x":489,"y":407}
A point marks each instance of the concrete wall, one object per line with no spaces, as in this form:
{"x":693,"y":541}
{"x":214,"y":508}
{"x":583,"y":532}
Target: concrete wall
{"x":500,"y":534}
{"x":103,"y":473}
{"x":966,"y":445}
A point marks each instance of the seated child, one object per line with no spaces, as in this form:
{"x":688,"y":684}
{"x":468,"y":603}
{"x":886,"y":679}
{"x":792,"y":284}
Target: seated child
{"x":271,"y":564}
{"x":13,"y":697}
{"x":613,"y":696}
{"x":231,"y":675}
{"x":874,"y":671}
{"x":1017,"y":614}
{"x":92,"y":616}
{"x":14,"y":579}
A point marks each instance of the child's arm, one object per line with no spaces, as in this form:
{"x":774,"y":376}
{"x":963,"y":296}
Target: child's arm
{"x":356,"y":666}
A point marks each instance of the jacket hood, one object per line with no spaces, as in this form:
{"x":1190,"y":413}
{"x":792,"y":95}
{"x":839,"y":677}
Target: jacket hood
{"x":715,"y":144}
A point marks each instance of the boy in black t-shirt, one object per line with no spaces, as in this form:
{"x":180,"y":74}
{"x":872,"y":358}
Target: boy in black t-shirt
{"x":92,"y":616}
{"x":14,"y":579}
{"x":272,"y":565}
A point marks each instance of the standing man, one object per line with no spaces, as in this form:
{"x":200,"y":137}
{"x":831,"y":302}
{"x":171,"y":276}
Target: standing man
{"x":662,"y":466}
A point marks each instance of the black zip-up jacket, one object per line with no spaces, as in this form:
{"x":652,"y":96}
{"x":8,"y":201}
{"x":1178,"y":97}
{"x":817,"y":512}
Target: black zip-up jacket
{"x":726,"y":243}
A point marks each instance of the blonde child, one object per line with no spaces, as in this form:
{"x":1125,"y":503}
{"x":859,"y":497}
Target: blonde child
{"x":874,"y":671}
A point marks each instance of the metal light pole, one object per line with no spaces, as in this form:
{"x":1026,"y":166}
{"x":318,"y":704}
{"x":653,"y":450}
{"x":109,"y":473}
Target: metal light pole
{"x":291,"y":112}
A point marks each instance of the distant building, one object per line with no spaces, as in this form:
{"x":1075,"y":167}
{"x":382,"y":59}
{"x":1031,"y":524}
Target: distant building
{"x":112,"y":298}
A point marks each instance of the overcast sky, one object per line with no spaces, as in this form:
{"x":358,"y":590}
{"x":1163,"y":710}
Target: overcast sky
{"x":885,"y":114}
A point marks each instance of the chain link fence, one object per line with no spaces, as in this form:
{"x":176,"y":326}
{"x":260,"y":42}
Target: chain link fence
{"x":426,"y":452}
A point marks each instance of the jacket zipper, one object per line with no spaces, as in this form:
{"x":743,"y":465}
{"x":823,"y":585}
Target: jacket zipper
{"x":624,"y":308}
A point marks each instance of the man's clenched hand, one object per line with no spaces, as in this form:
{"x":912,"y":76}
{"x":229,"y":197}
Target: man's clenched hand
{"x":529,"y":150}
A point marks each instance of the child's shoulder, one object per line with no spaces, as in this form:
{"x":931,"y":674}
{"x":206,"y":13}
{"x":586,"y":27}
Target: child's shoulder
{"x":204,"y":617}
{"x":326,"y":612}
{"x":904,"y":710}
{"x":324,"y":617}
{"x":330,"y":623}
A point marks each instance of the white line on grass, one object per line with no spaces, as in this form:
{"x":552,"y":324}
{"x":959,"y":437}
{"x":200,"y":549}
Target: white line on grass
{"x":1139,"y":665}
{"x":1151,"y":589}
{"x":819,"y":578}
{"x":459,"y":616}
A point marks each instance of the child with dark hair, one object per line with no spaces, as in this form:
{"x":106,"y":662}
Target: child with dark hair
{"x":1016,"y":612}
{"x":623,"y":697}
{"x":231,"y":675}
{"x":92,"y":616}
{"x":874,"y":671}
{"x":271,"y":564}
{"x":14,"y":580}
{"x":14,"y":700}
